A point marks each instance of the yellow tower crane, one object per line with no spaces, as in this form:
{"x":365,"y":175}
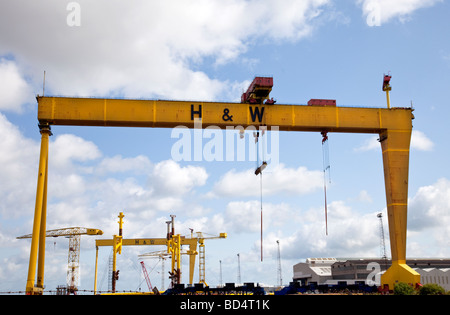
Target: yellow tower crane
{"x":202,"y":255}
{"x":73,"y":261}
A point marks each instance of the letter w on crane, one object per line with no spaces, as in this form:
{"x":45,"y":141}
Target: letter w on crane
{"x":257,"y":112}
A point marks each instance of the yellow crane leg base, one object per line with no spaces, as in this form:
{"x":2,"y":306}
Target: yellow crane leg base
{"x":399,"y":272}
{"x":34,"y":291}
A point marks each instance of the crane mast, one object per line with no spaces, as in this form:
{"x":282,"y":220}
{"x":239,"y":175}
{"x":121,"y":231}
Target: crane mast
{"x":202,"y":254}
{"x":382,"y":242}
{"x":280,"y":277}
{"x":239,"y":269}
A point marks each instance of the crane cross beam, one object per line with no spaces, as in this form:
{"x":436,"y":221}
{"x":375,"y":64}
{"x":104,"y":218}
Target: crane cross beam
{"x":171,"y":114}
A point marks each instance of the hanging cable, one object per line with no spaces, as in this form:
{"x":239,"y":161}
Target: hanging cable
{"x":260,"y":166}
{"x":261,"y":217}
{"x":326,"y":167}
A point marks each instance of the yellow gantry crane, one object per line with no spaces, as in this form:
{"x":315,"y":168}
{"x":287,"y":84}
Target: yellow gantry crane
{"x":201,"y":253}
{"x":173,"y":241}
{"x":73,"y":261}
{"x":392,"y":124}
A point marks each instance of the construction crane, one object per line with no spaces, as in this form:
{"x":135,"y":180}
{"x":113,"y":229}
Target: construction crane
{"x":202,"y":254}
{"x":382,"y":242}
{"x":147,"y":278}
{"x":162,"y":255}
{"x":73,"y":261}
{"x":239,"y":281}
{"x":280,"y":277}
{"x":220,"y":273}
{"x":392,"y":124}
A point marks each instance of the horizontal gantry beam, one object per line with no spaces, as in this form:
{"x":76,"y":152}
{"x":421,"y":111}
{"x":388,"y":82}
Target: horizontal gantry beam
{"x":171,"y":114}
{"x":144,"y":241}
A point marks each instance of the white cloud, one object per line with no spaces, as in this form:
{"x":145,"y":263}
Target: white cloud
{"x":19,"y":157}
{"x":350,"y":234}
{"x":93,"y":196}
{"x":170,"y":178}
{"x":383,"y":11}
{"x":279,"y":179}
{"x":119,"y":164}
{"x":145,"y":48}
{"x":430,"y":207}
{"x":364,"y":196}
{"x":245,"y":217}
{"x":14,"y":90}
{"x":369,"y":144}
{"x":84,"y":186}
{"x":429,"y":220}
{"x":67,"y":148}
{"x":419,"y":141}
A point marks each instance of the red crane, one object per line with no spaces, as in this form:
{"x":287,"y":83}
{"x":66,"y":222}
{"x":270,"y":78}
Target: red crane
{"x":259,"y":91}
{"x":147,"y":278}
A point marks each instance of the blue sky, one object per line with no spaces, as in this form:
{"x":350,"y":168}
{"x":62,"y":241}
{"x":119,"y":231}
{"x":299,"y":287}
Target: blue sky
{"x":211,"y":50}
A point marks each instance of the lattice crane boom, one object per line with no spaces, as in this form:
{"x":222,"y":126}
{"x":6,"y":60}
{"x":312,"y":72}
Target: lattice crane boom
{"x":147,"y":278}
{"x":67,"y":232}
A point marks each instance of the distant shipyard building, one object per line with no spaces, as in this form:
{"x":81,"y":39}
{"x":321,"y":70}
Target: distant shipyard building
{"x":351,"y":270}
{"x":314,"y":270}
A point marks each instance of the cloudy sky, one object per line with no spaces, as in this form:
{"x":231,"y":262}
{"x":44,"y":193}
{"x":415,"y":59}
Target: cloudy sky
{"x":211,"y":50}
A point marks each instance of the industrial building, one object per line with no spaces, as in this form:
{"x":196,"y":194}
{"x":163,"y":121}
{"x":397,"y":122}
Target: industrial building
{"x":367,"y":270}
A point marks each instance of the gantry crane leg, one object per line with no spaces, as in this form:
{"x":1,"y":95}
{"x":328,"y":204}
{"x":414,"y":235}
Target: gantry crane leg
{"x":40,"y":213}
{"x":42,"y":233}
{"x":395,"y":146}
{"x":192,"y":253}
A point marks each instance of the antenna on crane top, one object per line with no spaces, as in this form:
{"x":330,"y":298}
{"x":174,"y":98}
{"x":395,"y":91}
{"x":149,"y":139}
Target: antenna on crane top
{"x":43,"y":86}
